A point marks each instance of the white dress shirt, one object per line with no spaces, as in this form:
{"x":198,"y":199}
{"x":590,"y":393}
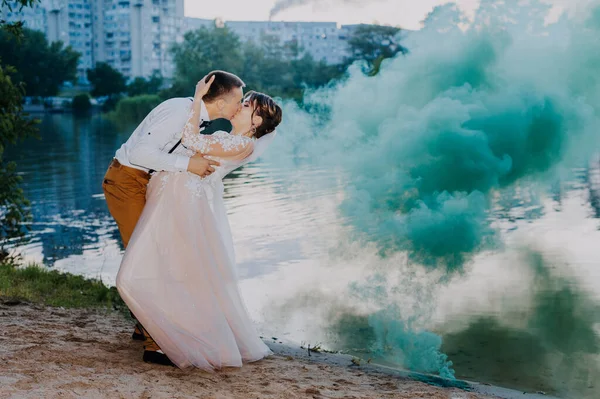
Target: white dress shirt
{"x":149,"y":145}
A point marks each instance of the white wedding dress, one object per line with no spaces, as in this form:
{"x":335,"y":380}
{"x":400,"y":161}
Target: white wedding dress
{"x":178,"y":273}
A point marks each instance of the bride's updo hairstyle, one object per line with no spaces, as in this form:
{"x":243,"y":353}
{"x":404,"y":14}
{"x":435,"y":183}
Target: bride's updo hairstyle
{"x":265,"y":107}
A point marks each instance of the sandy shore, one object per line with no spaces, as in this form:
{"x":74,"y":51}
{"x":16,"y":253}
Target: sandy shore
{"x":77,"y":353}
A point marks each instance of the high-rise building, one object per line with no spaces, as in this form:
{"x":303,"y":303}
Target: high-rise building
{"x":319,"y":39}
{"x":324,"y":41}
{"x":69,"y":21}
{"x":196,"y":23}
{"x":33,"y":17}
{"x":133,"y":36}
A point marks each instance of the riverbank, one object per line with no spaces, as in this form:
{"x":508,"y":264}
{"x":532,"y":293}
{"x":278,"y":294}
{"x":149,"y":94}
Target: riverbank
{"x":86,"y":351}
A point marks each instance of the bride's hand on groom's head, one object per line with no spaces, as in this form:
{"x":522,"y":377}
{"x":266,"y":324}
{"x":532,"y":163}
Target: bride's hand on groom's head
{"x":203,"y":86}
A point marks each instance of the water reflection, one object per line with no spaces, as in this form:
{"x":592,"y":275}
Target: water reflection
{"x":72,"y":229}
{"x":549,"y":344}
{"x":527,"y":321}
{"x":61,"y":175}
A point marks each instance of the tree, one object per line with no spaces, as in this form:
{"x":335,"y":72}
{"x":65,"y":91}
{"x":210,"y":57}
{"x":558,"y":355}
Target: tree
{"x":40,"y":65}
{"x":204,"y":50}
{"x":266,"y":65}
{"x":81,"y":104}
{"x":14,"y":5}
{"x":106,"y":81}
{"x":140,"y":86}
{"x":374,"y":43}
{"x":15,"y":125}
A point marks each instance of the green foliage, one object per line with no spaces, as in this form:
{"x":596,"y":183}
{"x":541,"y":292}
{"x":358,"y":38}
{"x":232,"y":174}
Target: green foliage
{"x":134,"y":109}
{"x":204,"y":50}
{"x":40,"y":65}
{"x":266,"y":66}
{"x":14,"y":125}
{"x":106,"y":81}
{"x":177,"y":89}
{"x":111,"y":103}
{"x":373,"y":44}
{"x":141,"y":85}
{"x":50,"y":287}
{"x":14,"y":5}
{"x":81,"y":104}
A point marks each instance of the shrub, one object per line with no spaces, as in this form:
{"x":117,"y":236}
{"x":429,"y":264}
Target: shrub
{"x":134,"y":109}
{"x":81,"y":104}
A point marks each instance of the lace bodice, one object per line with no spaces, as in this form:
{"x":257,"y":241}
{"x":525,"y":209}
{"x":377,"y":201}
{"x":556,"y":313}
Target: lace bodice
{"x":230,"y":150}
{"x":220,"y":144}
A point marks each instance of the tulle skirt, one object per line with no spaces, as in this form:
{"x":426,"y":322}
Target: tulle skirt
{"x":178,"y":276}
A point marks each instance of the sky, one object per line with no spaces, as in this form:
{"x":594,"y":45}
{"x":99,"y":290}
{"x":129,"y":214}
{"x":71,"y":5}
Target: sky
{"x":404,"y":13}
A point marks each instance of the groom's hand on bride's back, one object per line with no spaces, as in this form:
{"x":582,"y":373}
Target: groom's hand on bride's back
{"x":201,"y":166}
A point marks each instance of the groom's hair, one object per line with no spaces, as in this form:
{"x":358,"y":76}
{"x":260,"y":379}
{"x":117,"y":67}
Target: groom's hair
{"x":223,"y":84}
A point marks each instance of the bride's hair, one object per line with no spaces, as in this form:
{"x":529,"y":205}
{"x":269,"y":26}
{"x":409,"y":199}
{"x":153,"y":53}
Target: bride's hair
{"x":265,"y":107}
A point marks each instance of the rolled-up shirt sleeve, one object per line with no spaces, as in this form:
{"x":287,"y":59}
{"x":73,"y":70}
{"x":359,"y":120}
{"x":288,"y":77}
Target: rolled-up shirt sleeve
{"x":162,"y":126}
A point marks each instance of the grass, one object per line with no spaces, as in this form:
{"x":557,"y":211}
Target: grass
{"x":50,"y":287}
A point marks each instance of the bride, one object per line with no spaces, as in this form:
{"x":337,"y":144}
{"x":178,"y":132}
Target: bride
{"x":178,"y":273}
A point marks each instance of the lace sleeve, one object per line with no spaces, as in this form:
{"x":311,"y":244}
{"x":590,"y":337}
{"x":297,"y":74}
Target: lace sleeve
{"x":191,"y":137}
{"x":220,"y":144}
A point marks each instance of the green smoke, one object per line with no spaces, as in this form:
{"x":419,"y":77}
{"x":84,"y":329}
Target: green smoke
{"x":428,"y":148}
{"x":423,"y":144}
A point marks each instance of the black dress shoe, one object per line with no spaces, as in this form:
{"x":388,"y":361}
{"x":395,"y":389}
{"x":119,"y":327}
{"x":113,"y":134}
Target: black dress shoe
{"x":138,"y":335}
{"x":157,"y":358}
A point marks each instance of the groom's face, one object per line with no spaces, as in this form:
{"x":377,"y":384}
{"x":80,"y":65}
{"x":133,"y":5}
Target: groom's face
{"x":232,"y":103}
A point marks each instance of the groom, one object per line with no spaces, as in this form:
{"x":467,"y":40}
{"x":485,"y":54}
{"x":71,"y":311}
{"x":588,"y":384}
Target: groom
{"x":155,"y":145}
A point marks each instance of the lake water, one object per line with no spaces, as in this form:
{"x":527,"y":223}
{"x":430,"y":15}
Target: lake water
{"x":525,"y":315}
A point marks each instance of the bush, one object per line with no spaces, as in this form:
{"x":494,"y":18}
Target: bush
{"x":110,"y":104}
{"x":134,"y":109}
{"x":81,"y":104}
{"x":15,"y":125}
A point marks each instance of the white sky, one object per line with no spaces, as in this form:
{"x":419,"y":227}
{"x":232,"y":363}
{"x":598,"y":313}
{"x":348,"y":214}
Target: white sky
{"x":405,"y":13}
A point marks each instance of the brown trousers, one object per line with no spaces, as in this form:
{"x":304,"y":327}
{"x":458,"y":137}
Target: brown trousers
{"x":125,"y":193}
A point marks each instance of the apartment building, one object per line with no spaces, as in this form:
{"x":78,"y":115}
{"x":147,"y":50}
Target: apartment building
{"x":196,"y":23}
{"x":133,"y":36}
{"x":319,"y":39}
{"x":67,"y":20}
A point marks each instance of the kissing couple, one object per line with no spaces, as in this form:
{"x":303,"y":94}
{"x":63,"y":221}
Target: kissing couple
{"x":164,"y":188}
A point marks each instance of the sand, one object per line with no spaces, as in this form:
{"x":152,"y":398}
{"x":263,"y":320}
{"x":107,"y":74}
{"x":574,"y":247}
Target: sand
{"x":80,"y":353}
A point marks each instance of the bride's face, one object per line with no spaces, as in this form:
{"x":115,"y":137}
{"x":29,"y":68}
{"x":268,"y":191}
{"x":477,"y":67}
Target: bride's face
{"x":244,"y":121}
